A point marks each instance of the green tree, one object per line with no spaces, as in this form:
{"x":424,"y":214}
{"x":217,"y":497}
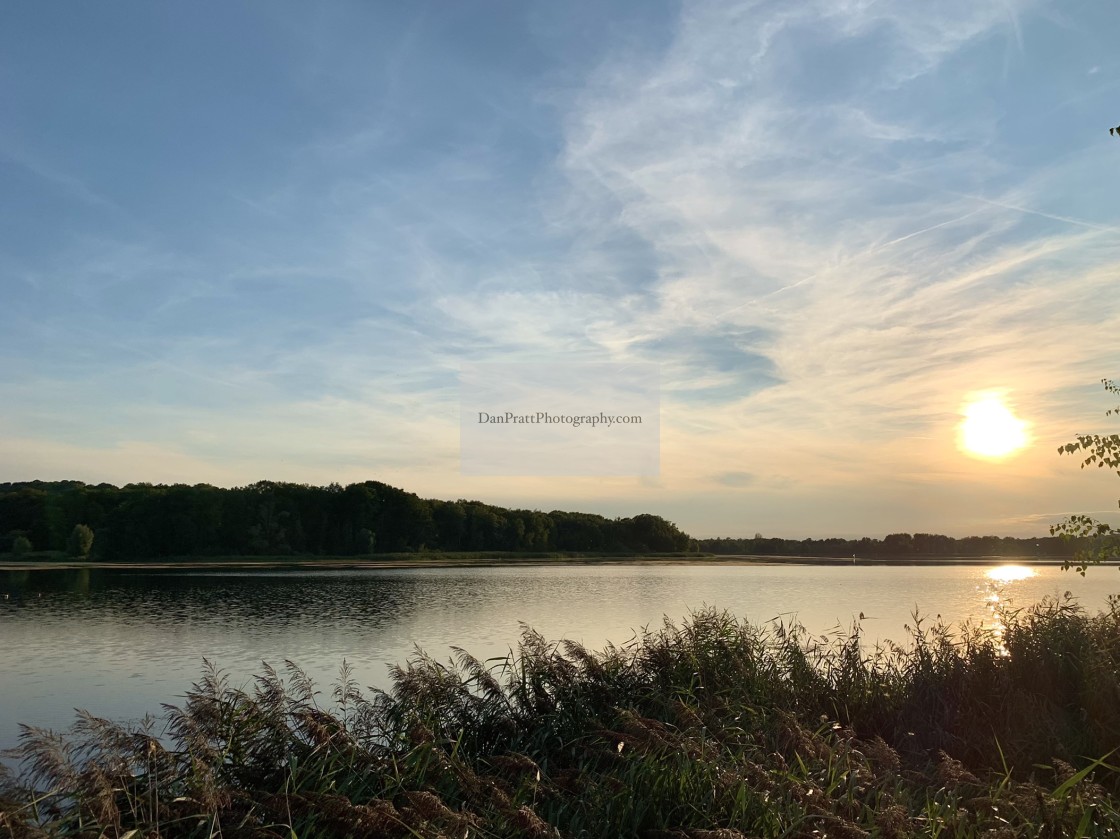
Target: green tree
{"x":1101,"y":541}
{"x":898,"y":544}
{"x":80,"y":541}
{"x":21,"y":545}
{"x":366,"y":542}
{"x":648,"y":532}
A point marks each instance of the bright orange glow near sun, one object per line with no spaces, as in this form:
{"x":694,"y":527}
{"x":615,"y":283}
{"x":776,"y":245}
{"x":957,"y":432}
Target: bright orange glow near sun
{"x":989,"y":429}
{"x":1009,"y":573}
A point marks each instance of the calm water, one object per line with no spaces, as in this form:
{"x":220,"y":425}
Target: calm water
{"x":120,"y":643}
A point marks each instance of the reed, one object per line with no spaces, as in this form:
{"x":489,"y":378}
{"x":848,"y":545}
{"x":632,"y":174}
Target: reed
{"x":712,"y":728}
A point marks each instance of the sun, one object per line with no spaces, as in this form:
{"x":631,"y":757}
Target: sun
{"x":989,"y":429}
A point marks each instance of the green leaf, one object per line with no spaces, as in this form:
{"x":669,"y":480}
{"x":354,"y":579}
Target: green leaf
{"x":1063,"y":789}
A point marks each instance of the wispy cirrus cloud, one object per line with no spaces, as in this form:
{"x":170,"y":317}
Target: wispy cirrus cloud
{"x":894,"y":259}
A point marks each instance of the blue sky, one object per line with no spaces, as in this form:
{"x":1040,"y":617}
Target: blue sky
{"x":256,"y":240}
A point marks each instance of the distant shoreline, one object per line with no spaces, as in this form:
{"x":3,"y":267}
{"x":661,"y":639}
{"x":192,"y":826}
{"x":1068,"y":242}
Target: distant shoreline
{"x":392,"y":562}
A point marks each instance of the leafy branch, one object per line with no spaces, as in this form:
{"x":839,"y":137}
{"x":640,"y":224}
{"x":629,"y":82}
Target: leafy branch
{"x":1102,"y":451}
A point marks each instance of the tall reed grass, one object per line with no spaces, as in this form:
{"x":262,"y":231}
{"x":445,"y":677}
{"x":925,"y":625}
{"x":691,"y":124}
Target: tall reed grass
{"x":708,"y":729}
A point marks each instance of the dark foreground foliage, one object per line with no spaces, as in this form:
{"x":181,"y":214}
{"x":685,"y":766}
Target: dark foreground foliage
{"x":713,"y":729}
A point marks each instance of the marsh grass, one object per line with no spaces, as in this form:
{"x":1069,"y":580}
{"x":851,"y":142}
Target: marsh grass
{"x":708,"y":729}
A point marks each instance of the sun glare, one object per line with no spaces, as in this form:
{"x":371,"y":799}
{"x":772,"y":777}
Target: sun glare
{"x":990,"y":430}
{"x":1009,"y":573}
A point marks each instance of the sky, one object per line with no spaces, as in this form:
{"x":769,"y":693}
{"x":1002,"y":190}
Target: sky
{"x":258,"y":240}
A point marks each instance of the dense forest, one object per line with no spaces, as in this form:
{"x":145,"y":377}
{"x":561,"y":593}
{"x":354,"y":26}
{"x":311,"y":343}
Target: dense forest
{"x":146,"y":521}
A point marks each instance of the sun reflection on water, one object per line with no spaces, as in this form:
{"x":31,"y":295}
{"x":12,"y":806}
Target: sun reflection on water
{"x":1009,"y":573}
{"x":998,"y":580}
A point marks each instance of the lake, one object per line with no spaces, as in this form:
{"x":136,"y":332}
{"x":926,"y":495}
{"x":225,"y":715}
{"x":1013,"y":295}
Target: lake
{"x":120,"y":643}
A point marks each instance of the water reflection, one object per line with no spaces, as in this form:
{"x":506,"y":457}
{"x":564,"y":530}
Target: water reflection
{"x":1000,"y":580}
{"x":120,"y":643}
{"x":1009,"y":573}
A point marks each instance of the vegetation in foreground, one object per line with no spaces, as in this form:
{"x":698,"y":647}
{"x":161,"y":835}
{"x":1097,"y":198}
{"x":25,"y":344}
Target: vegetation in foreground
{"x":713,"y":728}
{"x":1098,"y":541}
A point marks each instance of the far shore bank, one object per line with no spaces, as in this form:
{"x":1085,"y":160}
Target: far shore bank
{"x":388,"y":562}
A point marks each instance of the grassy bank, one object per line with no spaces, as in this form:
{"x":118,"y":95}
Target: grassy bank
{"x":448,"y":559}
{"x":712,"y":729}
{"x":417,"y":559}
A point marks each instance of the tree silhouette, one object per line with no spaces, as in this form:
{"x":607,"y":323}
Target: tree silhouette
{"x":1102,"y":451}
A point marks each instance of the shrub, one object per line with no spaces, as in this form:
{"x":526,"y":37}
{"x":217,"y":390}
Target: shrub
{"x":80,"y":541}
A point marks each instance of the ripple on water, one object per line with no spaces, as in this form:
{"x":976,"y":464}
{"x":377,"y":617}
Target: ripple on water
{"x":120,"y":644}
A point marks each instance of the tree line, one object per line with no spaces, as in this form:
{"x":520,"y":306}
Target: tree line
{"x":150,"y":521}
{"x":154,"y":521}
{"x":897,"y":546}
